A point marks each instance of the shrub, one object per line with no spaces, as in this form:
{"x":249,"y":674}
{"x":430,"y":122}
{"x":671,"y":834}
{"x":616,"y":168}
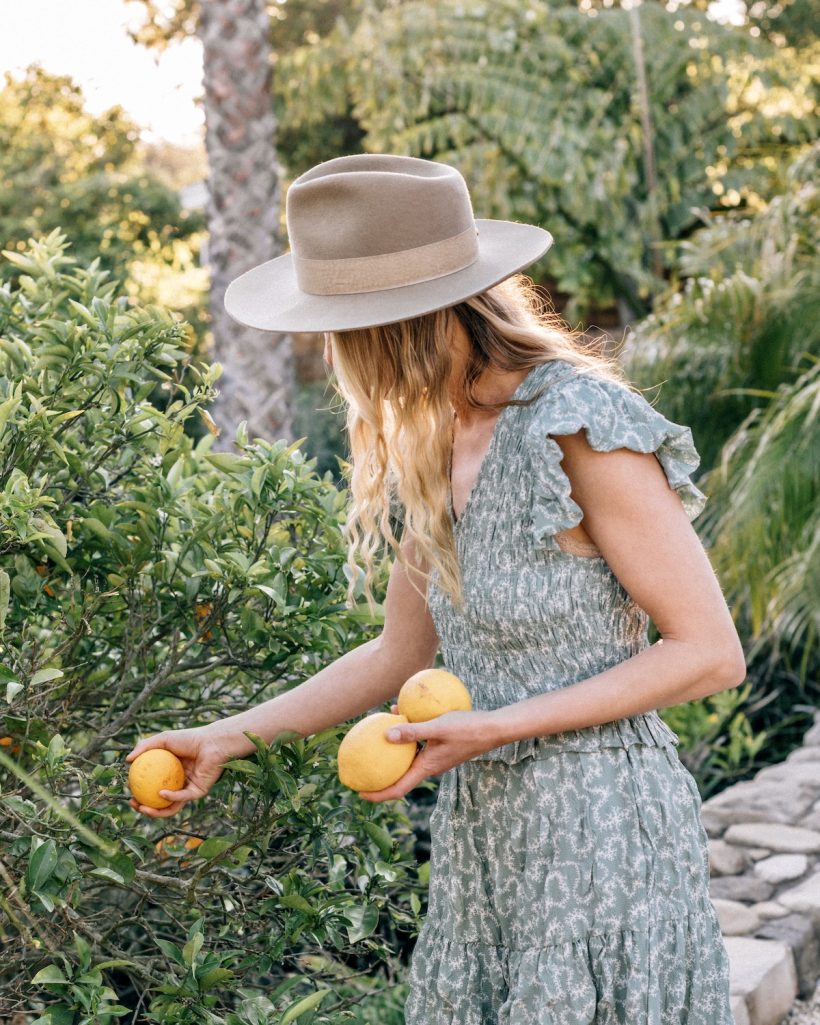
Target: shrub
{"x":147,"y":583}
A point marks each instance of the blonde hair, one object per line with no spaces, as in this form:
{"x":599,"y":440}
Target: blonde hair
{"x":395,"y":380}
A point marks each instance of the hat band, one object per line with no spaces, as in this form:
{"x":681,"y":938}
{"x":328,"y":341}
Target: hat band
{"x":387,"y":270}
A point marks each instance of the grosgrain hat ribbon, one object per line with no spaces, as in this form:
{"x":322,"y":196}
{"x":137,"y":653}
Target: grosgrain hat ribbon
{"x":391,"y":270}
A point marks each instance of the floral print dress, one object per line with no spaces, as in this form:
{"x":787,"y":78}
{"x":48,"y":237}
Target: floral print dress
{"x":569,"y":876}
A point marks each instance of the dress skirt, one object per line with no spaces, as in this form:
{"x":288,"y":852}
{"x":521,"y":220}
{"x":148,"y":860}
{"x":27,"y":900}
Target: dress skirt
{"x":570,"y":889}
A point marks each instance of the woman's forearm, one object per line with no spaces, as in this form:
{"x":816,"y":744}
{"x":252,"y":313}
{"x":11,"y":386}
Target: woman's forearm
{"x":666,"y":673}
{"x":357,"y":681}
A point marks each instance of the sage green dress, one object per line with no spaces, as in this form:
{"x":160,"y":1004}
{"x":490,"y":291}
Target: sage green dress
{"x":569,"y":876}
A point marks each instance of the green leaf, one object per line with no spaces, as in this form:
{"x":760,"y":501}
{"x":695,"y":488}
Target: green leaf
{"x":12,"y":690}
{"x":269,"y":593}
{"x":228,"y":461}
{"x":45,"y":675}
{"x":56,"y":557}
{"x":214,"y":846}
{"x":5,"y":596}
{"x":242,"y":765}
{"x":380,"y":837}
{"x":388,"y":872}
{"x":192,"y":948}
{"x":307,"y":1003}
{"x":45,"y":899}
{"x":258,"y":479}
{"x":83,"y":949}
{"x":297,"y":902}
{"x":107,"y":873}
{"x":94,"y":525}
{"x":364,"y":920}
{"x":92,"y":977}
{"x":121,"y":865}
{"x":19,"y":805}
{"x":72,"y":414}
{"x":171,"y":950}
{"x":57,"y":1014}
{"x":41,"y":864}
{"x":56,"y":750}
{"x":51,"y":530}
{"x":286,"y":735}
{"x":51,"y":975}
{"x":213,"y":977}
{"x":257,"y":742}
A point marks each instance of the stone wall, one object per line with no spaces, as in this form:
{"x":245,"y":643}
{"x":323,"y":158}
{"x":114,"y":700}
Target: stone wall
{"x":764,"y":855}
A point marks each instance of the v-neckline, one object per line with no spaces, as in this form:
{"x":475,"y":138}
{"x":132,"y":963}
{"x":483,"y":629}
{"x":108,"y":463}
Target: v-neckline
{"x":456,"y":522}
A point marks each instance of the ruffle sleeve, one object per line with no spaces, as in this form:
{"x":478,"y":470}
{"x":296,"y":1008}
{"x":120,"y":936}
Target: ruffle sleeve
{"x":614,"y":417}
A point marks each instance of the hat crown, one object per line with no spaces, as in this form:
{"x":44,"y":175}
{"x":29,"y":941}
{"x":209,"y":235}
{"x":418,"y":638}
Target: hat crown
{"x":377,"y":238}
{"x":370,"y":204}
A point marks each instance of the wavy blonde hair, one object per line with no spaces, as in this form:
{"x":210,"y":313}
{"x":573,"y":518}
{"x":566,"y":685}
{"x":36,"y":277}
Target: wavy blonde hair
{"x":395,"y":381}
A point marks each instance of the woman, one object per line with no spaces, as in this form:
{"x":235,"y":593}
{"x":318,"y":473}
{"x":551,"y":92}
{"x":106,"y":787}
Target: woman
{"x":546,"y":512}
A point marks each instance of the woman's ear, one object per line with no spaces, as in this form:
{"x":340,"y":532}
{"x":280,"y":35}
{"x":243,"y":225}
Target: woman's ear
{"x":327,"y":354}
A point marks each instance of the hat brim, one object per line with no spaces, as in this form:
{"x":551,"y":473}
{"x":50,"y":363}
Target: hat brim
{"x":268,"y":298}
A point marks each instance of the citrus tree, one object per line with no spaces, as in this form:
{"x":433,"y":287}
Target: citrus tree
{"x":149,"y":583}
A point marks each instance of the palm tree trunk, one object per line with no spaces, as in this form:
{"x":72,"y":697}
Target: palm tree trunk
{"x":243,"y":214}
{"x":655,"y":229}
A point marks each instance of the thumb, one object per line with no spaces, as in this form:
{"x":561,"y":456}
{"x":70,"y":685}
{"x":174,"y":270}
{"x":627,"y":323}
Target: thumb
{"x":189,"y":793}
{"x":408,"y":731}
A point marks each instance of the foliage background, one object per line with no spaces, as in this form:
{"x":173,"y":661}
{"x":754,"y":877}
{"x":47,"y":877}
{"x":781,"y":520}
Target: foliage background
{"x":147,"y":581}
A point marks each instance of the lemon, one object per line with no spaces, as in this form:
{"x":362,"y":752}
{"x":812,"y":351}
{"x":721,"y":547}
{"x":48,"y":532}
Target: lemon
{"x":431,"y":693}
{"x":152,"y":771}
{"x":367,"y":760}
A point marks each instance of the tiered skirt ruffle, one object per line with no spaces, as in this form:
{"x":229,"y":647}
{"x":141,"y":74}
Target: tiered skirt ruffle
{"x":570,"y":889}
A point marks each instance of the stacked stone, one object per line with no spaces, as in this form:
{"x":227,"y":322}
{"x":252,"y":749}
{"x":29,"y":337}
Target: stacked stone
{"x":764,"y":855}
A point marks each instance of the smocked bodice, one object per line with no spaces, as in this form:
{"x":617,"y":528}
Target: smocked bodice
{"x":539,"y":616}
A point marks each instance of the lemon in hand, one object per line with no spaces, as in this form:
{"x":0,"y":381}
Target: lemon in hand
{"x":431,"y":693}
{"x":367,"y":760}
{"x":152,"y":771}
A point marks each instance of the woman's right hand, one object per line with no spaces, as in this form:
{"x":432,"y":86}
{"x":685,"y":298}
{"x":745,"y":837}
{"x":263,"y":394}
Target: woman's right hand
{"x":203,"y":756}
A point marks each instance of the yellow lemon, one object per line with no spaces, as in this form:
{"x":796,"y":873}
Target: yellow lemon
{"x":431,"y":693}
{"x":152,"y":771}
{"x":367,"y":760}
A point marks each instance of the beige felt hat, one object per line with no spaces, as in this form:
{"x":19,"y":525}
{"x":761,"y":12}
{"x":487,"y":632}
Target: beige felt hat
{"x":376,"y":238}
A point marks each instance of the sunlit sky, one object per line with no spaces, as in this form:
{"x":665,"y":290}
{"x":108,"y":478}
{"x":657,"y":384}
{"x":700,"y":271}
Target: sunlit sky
{"x":88,"y":40}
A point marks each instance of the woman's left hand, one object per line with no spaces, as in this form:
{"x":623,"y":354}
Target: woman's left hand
{"x":451,"y":739}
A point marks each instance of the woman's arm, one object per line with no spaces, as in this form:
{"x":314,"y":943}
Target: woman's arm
{"x":359,"y":680}
{"x":660,"y":561}
{"x":657,"y":556}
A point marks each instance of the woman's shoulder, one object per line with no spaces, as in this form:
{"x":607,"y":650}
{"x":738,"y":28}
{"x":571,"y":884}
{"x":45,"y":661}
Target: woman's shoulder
{"x":570,"y":396}
{"x":613,"y":415}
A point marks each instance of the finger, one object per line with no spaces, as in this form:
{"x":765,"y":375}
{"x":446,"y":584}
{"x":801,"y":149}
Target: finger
{"x":160,"y":813}
{"x":394,"y":709}
{"x":186,"y":794}
{"x":146,"y":745}
{"x":408,"y":731}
